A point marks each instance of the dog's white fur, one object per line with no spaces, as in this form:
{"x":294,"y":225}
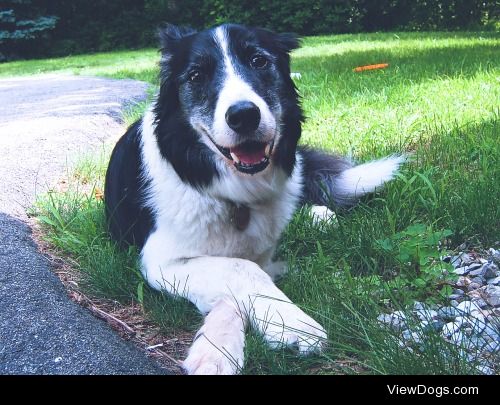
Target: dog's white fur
{"x":366,"y":178}
{"x":218,"y":345}
{"x":196,"y":252}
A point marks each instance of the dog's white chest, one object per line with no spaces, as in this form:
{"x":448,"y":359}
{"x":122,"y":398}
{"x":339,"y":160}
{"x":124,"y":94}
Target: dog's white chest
{"x":191,"y":222}
{"x":209,"y":227}
{"x":255,"y":242}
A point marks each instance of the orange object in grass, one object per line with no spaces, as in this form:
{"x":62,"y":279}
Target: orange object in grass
{"x":371,"y":67}
{"x":98,"y":194}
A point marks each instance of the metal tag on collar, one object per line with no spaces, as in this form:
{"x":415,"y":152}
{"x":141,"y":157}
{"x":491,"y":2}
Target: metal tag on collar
{"x":241,"y":216}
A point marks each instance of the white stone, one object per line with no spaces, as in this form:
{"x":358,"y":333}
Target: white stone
{"x":457,"y":337}
{"x":489,"y":270}
{"x":494,"y":281}
{"x":463,"y":281}
{"x":474,"y":326}
{"x":492,"y":347}
{"x":485,"y":370}
{"x":492,"y":295}
{"x":467,"y":306}
{"x":462,"y":271}
{"x":396,"y":320}
{"x":490,"y":334}
{"x":419,"y":306}
{"x":461,"y":260}
{"x":450,"y":328}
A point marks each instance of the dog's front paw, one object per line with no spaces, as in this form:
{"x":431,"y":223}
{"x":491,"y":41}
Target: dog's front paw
{"x":218,"y":345}
{"x":207,"y":358}
{"x":284,"y":324}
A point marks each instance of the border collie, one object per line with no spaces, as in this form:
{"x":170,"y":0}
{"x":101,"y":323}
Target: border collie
{"x":205,"y":183}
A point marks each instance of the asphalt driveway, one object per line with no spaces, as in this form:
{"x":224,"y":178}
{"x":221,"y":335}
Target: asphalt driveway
{"x":45,"y":122}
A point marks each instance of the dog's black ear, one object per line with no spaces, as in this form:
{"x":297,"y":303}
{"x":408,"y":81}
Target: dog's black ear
{"x":283,"y":43}
{"x":169,"y":34}
{"x":288,"y":41}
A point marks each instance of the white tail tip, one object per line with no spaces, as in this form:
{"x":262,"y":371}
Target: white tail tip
{"x":366,"y":178}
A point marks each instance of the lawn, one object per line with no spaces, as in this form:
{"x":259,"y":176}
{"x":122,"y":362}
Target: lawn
{"x":438,"y":100}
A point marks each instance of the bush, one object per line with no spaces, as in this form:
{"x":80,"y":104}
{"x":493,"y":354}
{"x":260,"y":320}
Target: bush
{"x":23,"y":30}
{"x":77,"y":26}
{"x":302,"y":16}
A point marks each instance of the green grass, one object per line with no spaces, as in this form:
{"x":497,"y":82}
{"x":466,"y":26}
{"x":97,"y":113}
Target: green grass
{"x":139,"y":65}
{"x":438,"y":99}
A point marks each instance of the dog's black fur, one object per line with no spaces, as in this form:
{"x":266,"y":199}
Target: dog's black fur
{"x":130,"y":221}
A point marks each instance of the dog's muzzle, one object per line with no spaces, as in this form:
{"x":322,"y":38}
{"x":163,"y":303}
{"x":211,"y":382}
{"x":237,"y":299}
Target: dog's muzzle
{"x":249,"y":157}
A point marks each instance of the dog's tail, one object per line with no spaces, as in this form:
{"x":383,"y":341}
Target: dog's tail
{"x":331,"y":180}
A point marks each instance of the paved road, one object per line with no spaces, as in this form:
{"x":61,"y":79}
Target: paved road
{"x":45,"y":122}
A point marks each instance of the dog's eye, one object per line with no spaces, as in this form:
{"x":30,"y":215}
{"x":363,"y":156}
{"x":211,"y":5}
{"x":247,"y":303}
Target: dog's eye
{"x":195,"y":76}
{"x":258,"y":62}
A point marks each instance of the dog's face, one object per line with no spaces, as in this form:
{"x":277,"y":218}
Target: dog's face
{"x":232,"y":86}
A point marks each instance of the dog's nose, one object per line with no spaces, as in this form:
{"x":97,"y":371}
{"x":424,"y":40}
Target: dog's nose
{"x":243,"y":117}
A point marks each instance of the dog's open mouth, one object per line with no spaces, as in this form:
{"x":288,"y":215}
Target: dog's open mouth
{"x":249,"y":157}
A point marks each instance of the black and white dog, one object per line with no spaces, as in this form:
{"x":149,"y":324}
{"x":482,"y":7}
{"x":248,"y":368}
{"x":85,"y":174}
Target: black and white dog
{"x":205,"y":183}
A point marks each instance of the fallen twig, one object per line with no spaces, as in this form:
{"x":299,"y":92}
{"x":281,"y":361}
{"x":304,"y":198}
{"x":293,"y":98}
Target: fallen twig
{"x":111,"y":318}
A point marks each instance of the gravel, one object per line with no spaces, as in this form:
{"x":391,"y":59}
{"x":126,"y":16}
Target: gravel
{"x":45,"y":122}
{"x":470,"y":320}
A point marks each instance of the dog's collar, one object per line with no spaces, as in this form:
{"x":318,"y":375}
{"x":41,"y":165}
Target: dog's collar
{"x":240,"y":215}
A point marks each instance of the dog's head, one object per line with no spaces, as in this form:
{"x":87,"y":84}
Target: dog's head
{"x":226,"y":97}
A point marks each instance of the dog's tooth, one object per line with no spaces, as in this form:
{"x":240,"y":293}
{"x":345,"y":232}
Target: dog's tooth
{"x":235,"y":158}
{"x":267,"y":152}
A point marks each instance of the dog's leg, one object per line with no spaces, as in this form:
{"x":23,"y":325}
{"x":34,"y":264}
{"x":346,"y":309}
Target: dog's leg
{"x":205,"y":281}
{"x":218,"y":345}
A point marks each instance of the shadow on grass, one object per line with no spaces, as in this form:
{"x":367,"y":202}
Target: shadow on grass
{"x":451,"y":182}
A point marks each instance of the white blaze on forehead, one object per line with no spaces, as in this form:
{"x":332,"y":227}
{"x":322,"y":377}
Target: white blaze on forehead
{"x":222,"y":41}
{"x":233,"y":90}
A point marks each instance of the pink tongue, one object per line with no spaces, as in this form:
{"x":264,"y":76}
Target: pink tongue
{"x":249,"y":157}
